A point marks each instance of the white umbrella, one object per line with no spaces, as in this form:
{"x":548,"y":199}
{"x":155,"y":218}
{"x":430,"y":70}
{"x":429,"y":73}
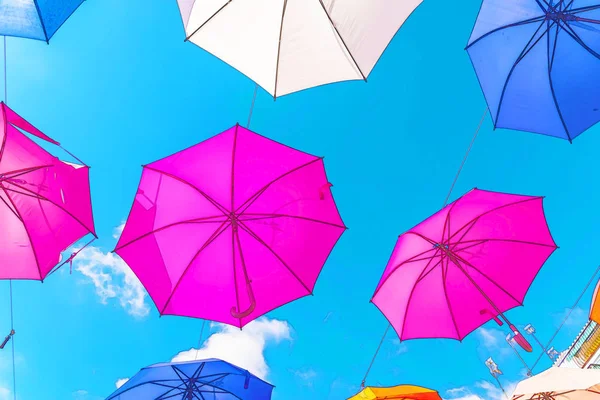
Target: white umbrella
{"x":560,"y":384}
{"x":290,"y":45}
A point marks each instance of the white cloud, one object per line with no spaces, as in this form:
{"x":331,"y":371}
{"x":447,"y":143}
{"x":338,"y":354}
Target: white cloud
{"x":121,"y":382}
{"x":113,"y":279}
{"x":494,"y":340}
{"x":243,"y":348}
{"x":399,"y":347}
{"x":490,"y":337}
{"x":80,"y":395}
{"x":118,"y":230}
{"x":576,"y":320}
{"x":4,"y":393}
{"x":306,"y":376}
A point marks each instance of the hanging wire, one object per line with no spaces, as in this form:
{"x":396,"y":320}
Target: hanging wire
{"x":465,"y":158}
{"x":566,"y":318}
{"x":362,"y":384}
{"x":5,"y":80}
{"x":200,"y":339}
{"x":445,"y":203}
{"x":12,"y":325}
{"x":501,"y":387}
{"x":12,"y":330}
{"x":252,"y":106}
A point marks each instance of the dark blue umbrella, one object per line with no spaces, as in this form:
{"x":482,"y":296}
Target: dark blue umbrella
{"x":34,"y":19}
{"x":210,"y":379}
{"x":538,"y":63}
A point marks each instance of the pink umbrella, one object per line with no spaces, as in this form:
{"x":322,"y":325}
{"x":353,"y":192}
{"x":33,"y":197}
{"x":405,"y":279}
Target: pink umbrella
{"x":45,"y":203}
{"x":464,"y":266}
{"x":231,"y":228}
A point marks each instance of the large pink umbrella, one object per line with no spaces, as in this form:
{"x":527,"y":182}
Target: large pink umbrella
{"x":464,"y":266}
{"x":231,"y":228}
{"x":45,"y":203}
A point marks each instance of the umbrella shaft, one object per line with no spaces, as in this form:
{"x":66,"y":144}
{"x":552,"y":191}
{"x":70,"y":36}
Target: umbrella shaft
{"x":454,"y":258}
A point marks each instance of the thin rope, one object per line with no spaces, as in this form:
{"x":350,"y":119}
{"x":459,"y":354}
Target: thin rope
{"x":252,"y":106}
{"x":465,"y":158}
{"x":200,"y":339}
{"x":501,"y":387}
{"x":376,"y":352}
{"x":12,"y":323}
{"x":445,"y":202}
{"x":5,"y":80}
{"x":566,"y":318}
{"x":12,"y":327}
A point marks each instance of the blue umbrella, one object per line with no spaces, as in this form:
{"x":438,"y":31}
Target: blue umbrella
{"x":34,"y":19}
{"x":210,"y":379}
{"x":538,"y":64}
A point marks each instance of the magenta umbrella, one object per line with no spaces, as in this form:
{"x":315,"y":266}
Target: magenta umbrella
{"x":45,"y":203}
{"x":464,"y":266}
{"x":231,"y":228}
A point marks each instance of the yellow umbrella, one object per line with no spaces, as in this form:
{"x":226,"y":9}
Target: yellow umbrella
{"x":402,"y":392}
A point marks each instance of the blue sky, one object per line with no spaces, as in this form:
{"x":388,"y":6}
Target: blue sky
{"x":119,"y":88}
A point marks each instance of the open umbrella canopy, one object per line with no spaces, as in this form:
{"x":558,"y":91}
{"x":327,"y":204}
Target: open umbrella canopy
{"x":34,"y":19}
{"x":220,"y":231}
{"x":209,"y":379}
{"x":560,"y":384}
{"x":465,"y":265}
{"x":538,"y":63}
{"x":45,"y":203}
{"x":401,"y":392}
{"x":290,"y":45}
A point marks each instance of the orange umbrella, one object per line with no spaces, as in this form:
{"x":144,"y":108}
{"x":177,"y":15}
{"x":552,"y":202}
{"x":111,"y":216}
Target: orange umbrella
{"x":402,"y":392}
{"x":595,"y":310}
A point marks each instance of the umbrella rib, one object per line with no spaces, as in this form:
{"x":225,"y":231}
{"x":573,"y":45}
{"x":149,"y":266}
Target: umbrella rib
{"x":412,"y":291}
{"x":163,"y":397}
{"x":430,"y":269}
{"x":583,"y":9}
{"x":256,"y":195}
{"x":411,"y":259}
{"x":179,"y":372}
{"x":56,"y":205}
{"x":21,"y":172}
{"x":513,"y":25}
{"x":279,"y":50}
{"x":8,"y":205}
{"x":342,"y":40}
{"x":448,"y":298}
{"x":482,"y":241}
{"x":521,"y":56}
{"x":259,"y":240}
{"x":206,"y":196}
{"x":26,"y":193}
{"x":272,"y":216}
{"x":476,"y":219}
{"x":578,"y":39}
{"x":550,"y":63}
{"x":211,"y":239}
{"x":468,"y":264}
{"x":208,"y":20}
{"x":168,"y":386}
{"x":203,"y":220}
